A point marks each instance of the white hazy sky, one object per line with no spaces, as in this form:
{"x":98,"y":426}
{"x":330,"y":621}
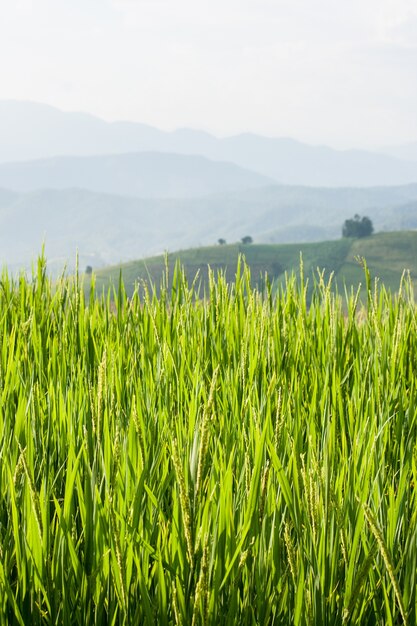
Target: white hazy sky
{"x":341,"y":72}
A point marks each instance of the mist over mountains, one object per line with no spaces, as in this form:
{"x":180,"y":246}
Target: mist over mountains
{"x":107,"y":229}
{"x":142,"y":174}
{"x":406,"y":152}
{"x":119,"y":191}
{"x":34,"y":131}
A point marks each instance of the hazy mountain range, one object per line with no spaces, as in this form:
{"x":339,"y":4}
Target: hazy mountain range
{"x":106,"y":229}
{"x":407,"y":152}
{"x":118,"y":191}
{"x":142,"y":174}
{"x":33,"y":131}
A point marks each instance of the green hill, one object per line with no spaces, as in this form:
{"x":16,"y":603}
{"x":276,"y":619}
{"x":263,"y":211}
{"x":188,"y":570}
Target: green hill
{"x":106,"y":229}
{"x":387,"y":256}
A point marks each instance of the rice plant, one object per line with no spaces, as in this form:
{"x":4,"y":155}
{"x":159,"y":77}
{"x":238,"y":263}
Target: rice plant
{"x":238,"y":458}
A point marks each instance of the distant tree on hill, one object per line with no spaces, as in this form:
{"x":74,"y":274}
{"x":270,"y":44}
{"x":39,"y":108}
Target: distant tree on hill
{"x":88,"y":270}
{"x":358,"y":227}
{"x":221,"y":242}
{"x":246,"y":240}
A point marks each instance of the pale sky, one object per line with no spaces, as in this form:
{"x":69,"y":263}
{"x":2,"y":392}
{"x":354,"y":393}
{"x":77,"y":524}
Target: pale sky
{"x":340,"y":72}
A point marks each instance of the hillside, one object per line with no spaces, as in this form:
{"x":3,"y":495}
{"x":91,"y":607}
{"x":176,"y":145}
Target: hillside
{"x":387,"y":256}
{"x":33,"y":131}
{"x":107,"y":229}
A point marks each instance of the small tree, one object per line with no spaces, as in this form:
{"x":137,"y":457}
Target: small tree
{"x":247,"y":240}
{"x":88,"y":270}
{"x":358,"y":227}
{"x":221,"y":242}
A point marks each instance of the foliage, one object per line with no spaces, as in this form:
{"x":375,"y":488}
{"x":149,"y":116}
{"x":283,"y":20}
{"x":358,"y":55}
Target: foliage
{"x":387,"y":254}
{"x":239,"y":460}
{"x":221,"y":242}
{"x":358,"y":227}
{"x":247,"y":240}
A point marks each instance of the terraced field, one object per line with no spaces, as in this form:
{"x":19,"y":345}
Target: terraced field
{"x":387,"y":255}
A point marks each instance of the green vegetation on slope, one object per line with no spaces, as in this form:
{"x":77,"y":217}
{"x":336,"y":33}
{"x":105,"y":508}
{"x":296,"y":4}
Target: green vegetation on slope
{"x":237,"y":460}
{"x":387,"y":255}
{"x":108,"y":229}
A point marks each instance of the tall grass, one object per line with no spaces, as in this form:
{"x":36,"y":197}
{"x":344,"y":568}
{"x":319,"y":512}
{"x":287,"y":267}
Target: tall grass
{"x":239,"y":459}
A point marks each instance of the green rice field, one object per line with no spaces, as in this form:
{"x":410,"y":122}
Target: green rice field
{"x":246,"y":458}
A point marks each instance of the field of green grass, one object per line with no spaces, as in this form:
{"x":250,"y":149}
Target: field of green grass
{"x":242,"y":459}
{"x":387,"y":255}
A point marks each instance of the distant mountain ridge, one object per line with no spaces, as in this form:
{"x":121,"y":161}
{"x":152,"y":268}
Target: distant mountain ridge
{"x":106,"y":229}
{"x":118,"y":191}
{"x":142,"y":174}
{"x":406,"y":152}
{"x":32,"y":131}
